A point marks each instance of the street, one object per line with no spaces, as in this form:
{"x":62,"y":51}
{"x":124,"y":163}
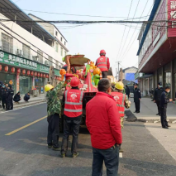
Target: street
{"x":24,"y":152}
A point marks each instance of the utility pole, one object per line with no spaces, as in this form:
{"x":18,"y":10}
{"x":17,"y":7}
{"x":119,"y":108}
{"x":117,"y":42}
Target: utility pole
{"x":118,"y":70}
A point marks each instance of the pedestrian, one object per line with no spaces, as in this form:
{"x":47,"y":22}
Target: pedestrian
{"x":157,"y":97}
{"x":10,"y":98}
{"x":127,"y":90}
{"x":103,"y":123}
{"x":164,"y":101}
{"x":54,"y":109}
{"x":137,"y":98}
{"x":72,"y":100}
{"x":103,"y":63}
{"x":17,"y":98}
{"x":4,"y":95}
{"x":27,"y":97}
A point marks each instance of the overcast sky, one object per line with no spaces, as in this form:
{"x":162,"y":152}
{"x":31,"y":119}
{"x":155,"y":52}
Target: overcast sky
{"x":119,"y":41}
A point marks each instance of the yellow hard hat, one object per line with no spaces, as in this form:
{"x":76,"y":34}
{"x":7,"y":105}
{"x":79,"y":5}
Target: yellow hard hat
{"x":48,"y":87}
{"x":119,"y":85}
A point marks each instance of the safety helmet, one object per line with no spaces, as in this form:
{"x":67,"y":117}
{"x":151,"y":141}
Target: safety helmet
{"x":48,"y":87}
{"x":102,"y":53}
{"x":74,"y":82}
{"x":119,"y":85}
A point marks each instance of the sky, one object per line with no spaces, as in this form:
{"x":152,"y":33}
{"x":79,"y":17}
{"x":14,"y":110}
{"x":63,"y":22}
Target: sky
{"x":119,"y":41}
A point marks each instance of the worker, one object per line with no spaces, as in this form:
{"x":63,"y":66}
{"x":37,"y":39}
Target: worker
{"x":9,"y":98}
{"x":137,"y":98}
{"x":121,"y":100}
{"x":72,"y":101}
{"x":103,"y":123}
{"x":103,"y":63}
{"x":157,"y":97}
{"x":54,"y":108}
{"x":164,"y":101}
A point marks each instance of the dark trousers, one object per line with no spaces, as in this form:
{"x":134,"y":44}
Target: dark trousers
{"x":128,"y":95}
{"x":158,"y":103}
{"x":53,"y":130}
{"x":10,"y":104}
{"x":111,"y":159}
{"x":71,"y":125}
{"x":4,"y":103}
{"x":104,"y":74}
{"x":137,"y":106}
{"x":164,"y":122}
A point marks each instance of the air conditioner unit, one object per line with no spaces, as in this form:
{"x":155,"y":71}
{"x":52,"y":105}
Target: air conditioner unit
{"x":19,"y":52}
{"x":46,"y":62}
{"x":35,"y":58}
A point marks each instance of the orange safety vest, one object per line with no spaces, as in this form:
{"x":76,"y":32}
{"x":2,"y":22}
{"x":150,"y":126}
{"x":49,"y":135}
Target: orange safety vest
{"x":102,"y":63}
{"x":120,"y":101}
{"x":73,"y":103}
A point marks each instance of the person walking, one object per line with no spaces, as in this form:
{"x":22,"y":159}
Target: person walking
{"x":72,"y":101}
{"x":10,"y":98}
{"x":54,"y":108}
{"x":164,"y":101}
{"x":157,"y":97}
{"x":127,"y":90}
{"x":103,"y":123}
{"x":103,"y":63}
{"x":137,"y":98}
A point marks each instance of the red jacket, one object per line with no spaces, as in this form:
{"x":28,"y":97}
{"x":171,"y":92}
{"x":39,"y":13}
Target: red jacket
{"x":73,"y":103}
{"x":103,"y":63}
{"x":103,"y":121}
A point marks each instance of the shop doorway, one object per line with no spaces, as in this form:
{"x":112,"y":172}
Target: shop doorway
{"x":25,"y":84}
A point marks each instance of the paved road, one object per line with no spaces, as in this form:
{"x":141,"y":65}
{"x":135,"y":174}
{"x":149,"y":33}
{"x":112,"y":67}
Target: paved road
{"x":25,"y":153}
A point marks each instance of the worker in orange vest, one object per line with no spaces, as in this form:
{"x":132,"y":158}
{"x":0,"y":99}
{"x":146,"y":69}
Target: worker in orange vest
{"x":73,"y":100}
{"x":103,"y":63}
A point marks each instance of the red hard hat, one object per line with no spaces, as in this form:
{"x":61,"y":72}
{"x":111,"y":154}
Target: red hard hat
{"x":102,"y":52}
{"x":74,"y":82}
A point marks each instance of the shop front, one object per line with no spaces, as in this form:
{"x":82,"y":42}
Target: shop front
{"x":23,"y":74}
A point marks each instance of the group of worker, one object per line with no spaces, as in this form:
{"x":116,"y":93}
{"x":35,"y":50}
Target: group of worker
{"x":7,"y":96}
{"x":104,"y":118}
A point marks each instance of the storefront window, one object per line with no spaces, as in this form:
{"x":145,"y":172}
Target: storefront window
{"x":25,"y":84}
{"x":8,"y":79}
{"x":168,"y":79}
{"x":39,"y":85}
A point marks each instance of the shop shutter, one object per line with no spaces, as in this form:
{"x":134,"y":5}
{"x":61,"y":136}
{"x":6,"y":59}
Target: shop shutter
{"x":7,"y":43}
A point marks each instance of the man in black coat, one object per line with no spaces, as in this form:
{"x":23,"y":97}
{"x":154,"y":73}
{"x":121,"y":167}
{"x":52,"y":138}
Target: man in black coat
{"x":164,"y":101}
{"x":27,"y":97}
{"x":137,"y":98}
{"x":10,"y":98}
{"x":157,"y":97}
{"x":127,"y":90}
{"x":17,"y":97}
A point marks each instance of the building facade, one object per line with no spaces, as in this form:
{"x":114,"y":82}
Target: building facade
{"x":27,"y":50}
{"x":157,"y":43}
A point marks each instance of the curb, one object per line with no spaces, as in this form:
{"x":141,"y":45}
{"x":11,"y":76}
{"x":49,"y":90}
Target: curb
{"x":173,"y":121}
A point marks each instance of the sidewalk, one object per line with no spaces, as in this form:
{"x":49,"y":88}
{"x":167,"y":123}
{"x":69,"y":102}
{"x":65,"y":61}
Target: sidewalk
{"x":33,"y":100}
{"x":149,"y":111}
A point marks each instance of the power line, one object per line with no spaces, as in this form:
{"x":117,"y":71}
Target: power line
{"x":129,"y":28}
{"x":124,"y":29}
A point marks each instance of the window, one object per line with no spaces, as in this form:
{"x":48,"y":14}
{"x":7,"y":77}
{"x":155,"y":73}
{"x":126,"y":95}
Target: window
{"x":50,"y":61}
{"x":61,"y":51}
{"x":65,"y":43}
{"x":56,"y":33}
{"x":40,"y":56}
{"x":61,"y":39}
{"x":26,"y":51}
{"x":7,"y":43}
{"x":57,"y":47}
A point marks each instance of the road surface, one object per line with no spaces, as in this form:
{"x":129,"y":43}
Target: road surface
{"x":149,"y":150}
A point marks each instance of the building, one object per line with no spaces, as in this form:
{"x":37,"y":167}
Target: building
{"x":129,"y":71}
{"x":157,"y":43}
{"x":28,"y":49}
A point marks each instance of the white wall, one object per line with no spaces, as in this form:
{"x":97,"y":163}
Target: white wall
{"x":31,"y":38}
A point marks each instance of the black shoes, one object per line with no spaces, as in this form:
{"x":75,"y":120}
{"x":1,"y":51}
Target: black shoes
{"x":165,"y":127}
{"x":158,"y":114}
{"x":56,"y":148}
